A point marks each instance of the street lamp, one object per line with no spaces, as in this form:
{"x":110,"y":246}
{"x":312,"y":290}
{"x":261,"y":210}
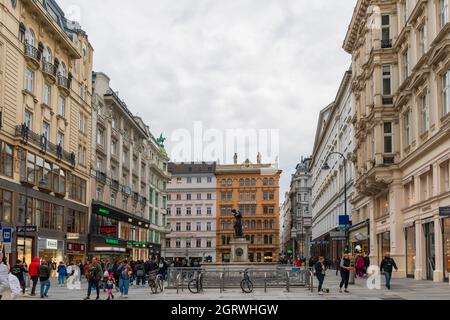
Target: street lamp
{"x":326,"y":167}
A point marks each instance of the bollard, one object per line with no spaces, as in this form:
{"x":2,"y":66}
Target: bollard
{"x":287,"y":282}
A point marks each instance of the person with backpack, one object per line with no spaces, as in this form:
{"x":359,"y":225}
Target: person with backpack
{"x":62,"y":272}
{"x":320,"y":270}
{"x":387,"y":265}
{"x":140,"y":273}
{"x":44,"y":278}
{"x":124,"y":280}
{"x":19,"y":271}
{"x":95,"y":274}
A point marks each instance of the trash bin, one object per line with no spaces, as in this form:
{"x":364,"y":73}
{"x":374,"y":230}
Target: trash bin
{"x":352,"y":277}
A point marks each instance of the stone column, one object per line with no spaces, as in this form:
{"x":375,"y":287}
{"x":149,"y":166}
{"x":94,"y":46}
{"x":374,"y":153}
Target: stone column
{"x":398,"y":245}
{"x":438,"y":275}
{"x":420,"y":255}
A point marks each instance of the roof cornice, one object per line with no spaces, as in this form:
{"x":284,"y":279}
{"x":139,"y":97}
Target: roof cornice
{"x":353,"y":29}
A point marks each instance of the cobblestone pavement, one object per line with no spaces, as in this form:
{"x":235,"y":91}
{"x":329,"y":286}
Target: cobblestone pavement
{"x":402,"y":289}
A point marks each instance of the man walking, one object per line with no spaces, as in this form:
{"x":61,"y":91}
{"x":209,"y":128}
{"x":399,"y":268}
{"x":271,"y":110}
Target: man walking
{"x":387,"y":265}
{"x":95,"y":274}
{"x":19,"y":270}
{"x":44,"y":278}
{"x":320,"y":269}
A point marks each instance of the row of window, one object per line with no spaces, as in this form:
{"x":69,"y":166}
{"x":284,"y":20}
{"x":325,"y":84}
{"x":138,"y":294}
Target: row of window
{"x":266,"y":239}
{"x":188,"y":226}
{"x":188,"y":211}
{"x":247,"y":182}
{"x":189,"y":197}
{"x":189,"y":180}
{"x":250,"y":225}
{"x":188,"y":243}
{"x":246,"y":210}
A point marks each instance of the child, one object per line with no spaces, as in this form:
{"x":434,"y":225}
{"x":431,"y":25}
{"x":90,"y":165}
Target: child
{"x":105,"y":280}
{"x":110,"y":286}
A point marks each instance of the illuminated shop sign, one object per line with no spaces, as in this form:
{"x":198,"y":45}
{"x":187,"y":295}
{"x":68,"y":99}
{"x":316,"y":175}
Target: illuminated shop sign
{"x":108,"y":230}
{"x":111,"y":241}
{"x":104,"y":211}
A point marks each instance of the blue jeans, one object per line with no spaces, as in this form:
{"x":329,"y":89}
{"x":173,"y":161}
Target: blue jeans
{"x":388,"y":276}
{"x":124,"y":285}
{"x":61,"y":278}
{"x":45,"y":286}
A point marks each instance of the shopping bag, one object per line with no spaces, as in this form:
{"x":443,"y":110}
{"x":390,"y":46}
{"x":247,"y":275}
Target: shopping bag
{"x":14,"y":285}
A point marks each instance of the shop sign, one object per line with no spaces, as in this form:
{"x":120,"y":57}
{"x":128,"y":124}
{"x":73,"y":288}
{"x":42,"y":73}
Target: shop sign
{"x":75,"y":247}
{"x":110,"y":249}
{"x":73,"y":236}
{"x":7,"y":235}
{"x":111,"y":241}
{"x":28,"y":229}
{"x":108,"y":230}
{"x":103,"y":210}
{"x":444,"y":212}
{"x":51,"y":244}
{"x":135,"y":243}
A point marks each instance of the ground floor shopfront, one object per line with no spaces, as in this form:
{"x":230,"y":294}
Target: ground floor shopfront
{"x":44,"y":226}
{"x":328,"y":247}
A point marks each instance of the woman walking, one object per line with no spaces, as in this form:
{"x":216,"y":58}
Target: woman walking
{"x":320,"y":273}
{"x":124,"y":280}
{"x":345,"y":269}
{"x":62,"y":271}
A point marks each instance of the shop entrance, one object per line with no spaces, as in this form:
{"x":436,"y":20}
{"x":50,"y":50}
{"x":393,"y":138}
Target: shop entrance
{"x":24,"y":249}
{"x":430,"y":249}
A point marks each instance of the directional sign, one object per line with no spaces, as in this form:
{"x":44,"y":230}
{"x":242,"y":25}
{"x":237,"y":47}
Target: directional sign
{"x":30,"y":229}
{"x":7,"y":235}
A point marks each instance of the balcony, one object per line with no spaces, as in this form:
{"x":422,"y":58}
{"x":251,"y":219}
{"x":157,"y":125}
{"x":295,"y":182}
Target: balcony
{"x":375,"y":181}
{"x":32,"y":55}
{"x":101,"y":177}
{"x":40,"y":141}
{"x":45,"y":185}
{"x":126,"y":190}
{"x":386,"y":43}
{"x":143,"y":200}
{"x":49,"y":71}
{"x":64,"y":84}
{"x":135,"y":196}
{"x":115,"y":185}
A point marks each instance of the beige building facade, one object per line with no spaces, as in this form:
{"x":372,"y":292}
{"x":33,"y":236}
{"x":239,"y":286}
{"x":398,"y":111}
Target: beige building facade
{"x":45,"y":96}
{"x":401,"y":91}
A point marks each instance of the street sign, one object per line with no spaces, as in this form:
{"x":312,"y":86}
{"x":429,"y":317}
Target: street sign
{"x":7,"y":247}
{"x":337,"y":234}
{"x":28,"y":229}
{"x":344,"y":220}
{"x":7,"y":235}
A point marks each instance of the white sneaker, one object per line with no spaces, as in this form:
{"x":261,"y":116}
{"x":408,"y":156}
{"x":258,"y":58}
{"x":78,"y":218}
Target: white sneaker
{"x":321,"y":293}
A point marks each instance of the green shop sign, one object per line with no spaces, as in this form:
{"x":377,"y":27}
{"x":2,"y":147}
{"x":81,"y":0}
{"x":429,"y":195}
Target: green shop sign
{"x":104,"y":211}
{"x":111,"y":241}
{"x":135,"y":243}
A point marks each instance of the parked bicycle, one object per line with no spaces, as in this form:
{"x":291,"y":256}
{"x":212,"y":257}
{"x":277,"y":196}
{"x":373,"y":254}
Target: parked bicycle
{"x":246,"y":283}
{"x":196,"y":285}
{"x":156,"y":282}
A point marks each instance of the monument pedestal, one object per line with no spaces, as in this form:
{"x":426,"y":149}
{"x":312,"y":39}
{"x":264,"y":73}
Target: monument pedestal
{"x":239,"y":250}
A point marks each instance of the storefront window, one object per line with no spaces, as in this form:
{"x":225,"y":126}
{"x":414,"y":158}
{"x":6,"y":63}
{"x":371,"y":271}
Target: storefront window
{"x":6,"y":159}
{"x":446,"y":223}
{"x":410,"y":234}
{"x":24,"y":251}
{"x":384,"y":245}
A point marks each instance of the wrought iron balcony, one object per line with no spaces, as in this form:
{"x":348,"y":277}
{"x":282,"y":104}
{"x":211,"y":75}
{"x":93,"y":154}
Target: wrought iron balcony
{"x":64,"y":84}
{"x":386,"y":43}
{"x":115,"y":184}
{"x":49,"y":71}
{"x":126,"y":190}
{"x":46,"y":146}
{"x":101,"y":177}
{"x":33,"y":55}
{"x":135,"y":196}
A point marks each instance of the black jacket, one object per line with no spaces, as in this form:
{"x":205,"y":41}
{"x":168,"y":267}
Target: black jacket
{"x":387,"y":265}
{"x":18,"y":270}
{"x":320,"y":268}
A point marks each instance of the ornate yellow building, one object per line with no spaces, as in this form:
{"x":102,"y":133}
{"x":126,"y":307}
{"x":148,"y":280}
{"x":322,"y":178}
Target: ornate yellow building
{"x":45,"y":123}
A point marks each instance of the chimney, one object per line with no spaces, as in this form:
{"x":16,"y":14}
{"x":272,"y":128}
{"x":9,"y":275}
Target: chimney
{"x":235,"y":158}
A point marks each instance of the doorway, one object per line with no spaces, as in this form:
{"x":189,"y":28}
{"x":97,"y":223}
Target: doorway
{"x":430,"y":249}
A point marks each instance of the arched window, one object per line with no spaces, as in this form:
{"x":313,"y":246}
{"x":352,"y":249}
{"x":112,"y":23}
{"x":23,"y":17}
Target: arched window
{"x":266,"y":240}
{"x":253,"y":182}
{"x":253,"y":227}
{"x":31,"y":38}
{"x":266,"y":224}
{"x":271,"y":225}
{"x":22,"y":30}
{"x":48,"y":55}
{"x":62,"y":69}
{"x":271,"y":182}
{"x":241,"y":182}
{"x":265,"y":182}
{"x":223,"y":183}
{"x":271,"y":240}
{"x":247,"y":182}
{"x":230,"y":182}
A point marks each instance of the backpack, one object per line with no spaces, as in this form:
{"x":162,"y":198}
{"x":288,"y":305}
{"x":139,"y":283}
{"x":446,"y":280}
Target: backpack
{"x":124,"y":273}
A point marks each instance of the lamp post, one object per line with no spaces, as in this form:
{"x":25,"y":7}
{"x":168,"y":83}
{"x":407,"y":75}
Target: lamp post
{"x":327,"y":167}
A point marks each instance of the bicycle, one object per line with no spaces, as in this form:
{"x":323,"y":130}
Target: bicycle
{"x":196,"y":285}
{"x":246,"y":283}
{"x":155,"y":282}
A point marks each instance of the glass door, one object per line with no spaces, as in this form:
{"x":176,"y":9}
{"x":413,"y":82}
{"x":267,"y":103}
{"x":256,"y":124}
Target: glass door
{"x":446,"y":250}
{"x":430,"y":250}
{"x":25,"y":249}
{"x":410,"y":251}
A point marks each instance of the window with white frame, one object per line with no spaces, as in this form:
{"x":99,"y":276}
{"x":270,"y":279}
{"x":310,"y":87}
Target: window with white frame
{"x":388,"y":137}
{"x":29,"y":120}
{"x":407,"y":122}
{"x":62,"y":106}
{"x":386,"y":37}
{"x":424,"y":114}
{"x":387,"y":79}
{"x":423,"y":43}
{"x":60,"y":139}
{"x":100,"y":137}
{"x":372,"y":142}
{"x":46,"y":94}
{"x":29,"y":80}
{"x":405,"y":65}
{"x":82,"y":123}
{"x":446,"y":93}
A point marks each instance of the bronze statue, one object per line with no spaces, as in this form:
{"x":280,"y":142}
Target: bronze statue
{"x":238,"y":233}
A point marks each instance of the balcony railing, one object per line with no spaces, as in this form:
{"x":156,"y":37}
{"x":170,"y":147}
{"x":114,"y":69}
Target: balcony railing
{"x":49,"y":69}
{"x":126,"y":190}
{"x":386,"y":43}
{"x":41,"y":141}
{"x":101,"y":177}
{"x":32,"y":52}
{"x":115,"y":184}
{"x":64,"y":83}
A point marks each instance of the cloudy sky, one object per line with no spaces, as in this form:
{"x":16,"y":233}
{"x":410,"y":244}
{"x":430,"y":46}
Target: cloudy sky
{"x":250,"y":64}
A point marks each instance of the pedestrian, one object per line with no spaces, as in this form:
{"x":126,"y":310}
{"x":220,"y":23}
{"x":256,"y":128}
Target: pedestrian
{"x":105,"y":280}
{"x":44,"y":278}
{"x":95,"y":275}
{"x":140,"y":273}
{"x":62,"y":272}
{"x":86,"y":269}
{"x":4,"y":275}
{"x":124,"y":280}
{"x":366,"y":263}
{"x":320,"y":270}
{"x":360,"y":264}
{"x":387,"y":266}
{"x":33,"y":272}
{"x":110,"y":284}
{"x":19,"y":270}
{"x":162,"y":268}
{"x":345,"y":269}
{"x":298,"y":263}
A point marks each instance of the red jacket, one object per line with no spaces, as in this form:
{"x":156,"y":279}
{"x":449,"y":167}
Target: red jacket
{"x":33,"y":270}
